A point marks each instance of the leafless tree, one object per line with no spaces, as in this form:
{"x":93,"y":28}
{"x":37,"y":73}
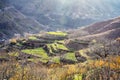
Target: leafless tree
{"x":7,"y":70}
{"x":105,"y":48}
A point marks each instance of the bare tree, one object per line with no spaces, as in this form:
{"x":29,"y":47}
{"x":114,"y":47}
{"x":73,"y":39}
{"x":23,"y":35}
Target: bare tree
{"x":7,"y":70}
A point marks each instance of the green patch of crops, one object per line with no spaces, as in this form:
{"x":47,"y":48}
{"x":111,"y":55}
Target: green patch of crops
{"x":57,"y":33}
{"x":40,"y":52}
{"x":70,"y":56}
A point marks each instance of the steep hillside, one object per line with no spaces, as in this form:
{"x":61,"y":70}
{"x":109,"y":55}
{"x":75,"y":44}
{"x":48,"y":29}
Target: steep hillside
{"x":108,"y":29}
{"x":12,"y":21}
{"x":33,"y":15}
{"x":109,"y":34}
{"x":3,"y":3}
{"x":64,"y":14}
{"x":103,"y":26}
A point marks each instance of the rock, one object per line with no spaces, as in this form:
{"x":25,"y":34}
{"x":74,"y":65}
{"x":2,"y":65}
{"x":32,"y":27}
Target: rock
{"x":66,"y":61}
{"x":79,"y":57}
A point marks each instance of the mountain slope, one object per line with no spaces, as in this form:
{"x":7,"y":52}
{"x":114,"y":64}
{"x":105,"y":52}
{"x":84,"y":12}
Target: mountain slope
{"x":109,"y":34}
{"x":106,"y":29}
{"x":12,"y":21}
{"x":103,"y":26}
{"x":64,"y":14}
{"x":33,"y":15}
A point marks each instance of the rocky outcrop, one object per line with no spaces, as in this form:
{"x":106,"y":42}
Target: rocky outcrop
{"x":66,"y":61}
{"x":79,"y":57}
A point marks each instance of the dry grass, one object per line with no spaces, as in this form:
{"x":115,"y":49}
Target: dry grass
{"x":87,"y":70}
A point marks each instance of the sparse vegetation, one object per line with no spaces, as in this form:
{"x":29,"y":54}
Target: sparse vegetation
{"x":56,"y":61}
{"x":14,"y":54}
{"x":42,"y":40}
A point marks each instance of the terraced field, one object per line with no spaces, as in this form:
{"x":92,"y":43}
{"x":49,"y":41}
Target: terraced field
{"x":59,"y":56}
{"x":59,"y":33}
{"x":40,"y":52}
{"x":56,"y":47}
{"x":53,"y":50}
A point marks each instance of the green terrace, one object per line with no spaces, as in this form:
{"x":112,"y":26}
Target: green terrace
{"x":55,"y":59}
{"x":57,"y":33}
{"x":40,"y":52}
{"x":32,"y":38}
{"x":70,"y":56}
{"x":54,"y":47}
